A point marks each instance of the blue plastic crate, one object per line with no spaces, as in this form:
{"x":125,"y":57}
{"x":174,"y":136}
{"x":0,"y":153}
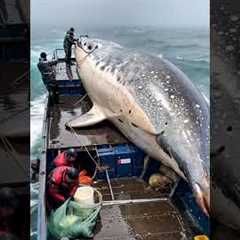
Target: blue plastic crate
{"x":124,"y":160}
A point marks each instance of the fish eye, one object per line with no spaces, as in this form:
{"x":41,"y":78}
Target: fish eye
{"x":89,"y":47}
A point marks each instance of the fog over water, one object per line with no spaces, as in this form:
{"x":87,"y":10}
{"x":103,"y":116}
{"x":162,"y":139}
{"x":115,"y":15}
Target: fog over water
{"x":123,"y":12}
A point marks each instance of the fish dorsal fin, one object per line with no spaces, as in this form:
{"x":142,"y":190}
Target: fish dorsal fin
{"x":93,"y":116}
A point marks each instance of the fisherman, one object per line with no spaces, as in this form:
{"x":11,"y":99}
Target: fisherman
{"x":84,"y":178}
{"x":66,"y":158}
{"x":69,"y":40}
{"x":62,"y":184}
{"x":35,"y":165}
{"x":48,"y":76}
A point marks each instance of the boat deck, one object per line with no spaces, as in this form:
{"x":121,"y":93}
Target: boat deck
{"x":65,"y":71}
{"x":156,"y":220}
{"x":125,"y":189}
{"x":68,"y":108}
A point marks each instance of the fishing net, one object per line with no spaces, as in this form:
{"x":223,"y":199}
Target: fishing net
{"x":72,"y":220}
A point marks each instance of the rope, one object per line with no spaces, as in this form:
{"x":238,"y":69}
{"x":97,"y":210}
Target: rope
{"x":88,"y":53}
{"x":74,"y":133}
{"x":9,"y":149}
{"x":17,"y":81}
{"x":80,"y":100}
{"x":95,"y":172}
{"x":83,"y":146}
{"x":77,"y":137}
{"x":91,"y":157}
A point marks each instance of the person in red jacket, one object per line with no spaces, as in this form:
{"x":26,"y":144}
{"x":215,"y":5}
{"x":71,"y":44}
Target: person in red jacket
{"x":66,"y":158}
{"x":62,"y":184}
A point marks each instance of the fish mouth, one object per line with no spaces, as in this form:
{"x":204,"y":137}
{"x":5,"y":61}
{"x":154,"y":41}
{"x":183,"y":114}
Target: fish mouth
{"x":199,"y":184}
{"x":202,"y":199}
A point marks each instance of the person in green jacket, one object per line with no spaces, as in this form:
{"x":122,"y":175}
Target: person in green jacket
{"x":67,"y":44}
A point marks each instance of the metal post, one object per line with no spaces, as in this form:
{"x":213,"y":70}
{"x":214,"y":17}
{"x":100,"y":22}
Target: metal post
{"x":109,"y":184}
{"x":133,"y":201}
{"x":174,"y":188}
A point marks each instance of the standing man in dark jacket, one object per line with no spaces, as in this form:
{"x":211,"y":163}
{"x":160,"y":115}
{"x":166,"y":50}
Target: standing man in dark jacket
{"x":48,"y":76}
{"x":67,"y":44}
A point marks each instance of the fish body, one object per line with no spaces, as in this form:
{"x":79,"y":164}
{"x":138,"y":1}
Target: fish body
{"x":152,"y":103}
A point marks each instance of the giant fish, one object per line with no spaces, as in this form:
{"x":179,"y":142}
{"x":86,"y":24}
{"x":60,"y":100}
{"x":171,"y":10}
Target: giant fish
{"x":152,"y":103}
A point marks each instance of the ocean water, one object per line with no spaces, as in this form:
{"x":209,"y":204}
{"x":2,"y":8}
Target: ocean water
{"x":187,"y":48}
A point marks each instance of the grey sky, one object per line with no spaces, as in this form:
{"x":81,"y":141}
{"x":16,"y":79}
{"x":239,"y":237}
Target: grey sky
{"x":120,"y":12}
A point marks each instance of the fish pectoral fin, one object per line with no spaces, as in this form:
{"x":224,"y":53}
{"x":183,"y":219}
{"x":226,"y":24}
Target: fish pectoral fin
{"x":94,"y":116}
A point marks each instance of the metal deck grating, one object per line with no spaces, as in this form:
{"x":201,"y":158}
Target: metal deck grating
{"x":126,"y":188}
{"x":159,"y":220}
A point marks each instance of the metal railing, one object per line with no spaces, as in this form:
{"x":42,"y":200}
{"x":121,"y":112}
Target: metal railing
{"x":57,"y":55}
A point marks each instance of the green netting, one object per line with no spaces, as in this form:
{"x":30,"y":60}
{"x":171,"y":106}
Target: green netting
{"x":73,"y":220}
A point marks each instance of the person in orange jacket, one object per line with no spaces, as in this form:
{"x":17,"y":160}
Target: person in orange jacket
{"x":84,"y":178}
{"x":66,"y":158}
{"x":62,"y":184}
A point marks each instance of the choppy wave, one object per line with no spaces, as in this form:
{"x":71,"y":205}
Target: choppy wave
{"x":197,"y":59}
{"x":34,"y":209}
{"x":179,"y":46}
{"x":37,"y":112}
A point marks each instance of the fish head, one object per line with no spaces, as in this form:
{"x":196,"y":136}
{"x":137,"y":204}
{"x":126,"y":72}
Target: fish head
{"x":186,"y":140}
{"x":85,"y":46}
{"x":190,"y":150}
